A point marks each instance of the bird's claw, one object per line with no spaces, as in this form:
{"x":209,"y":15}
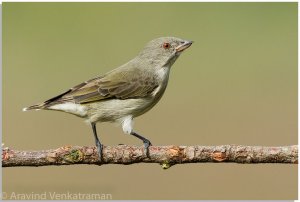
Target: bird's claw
{"x":147,"y":144}
{"x":99,"y":150}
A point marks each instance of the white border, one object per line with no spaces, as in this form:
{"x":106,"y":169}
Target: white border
{"x":146,"y":1}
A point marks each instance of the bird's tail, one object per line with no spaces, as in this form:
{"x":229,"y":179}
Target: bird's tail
{"x":47,"y":103}
{"x":35,"y":107}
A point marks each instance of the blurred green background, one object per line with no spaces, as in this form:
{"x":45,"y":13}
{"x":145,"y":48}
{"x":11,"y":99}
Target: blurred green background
{"x":237,"y":84}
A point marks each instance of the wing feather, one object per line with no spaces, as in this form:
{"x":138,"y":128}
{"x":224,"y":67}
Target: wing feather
{"x":127,"y":86}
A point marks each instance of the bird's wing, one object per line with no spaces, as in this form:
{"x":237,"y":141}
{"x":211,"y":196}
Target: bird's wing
{"x":128,"y":85}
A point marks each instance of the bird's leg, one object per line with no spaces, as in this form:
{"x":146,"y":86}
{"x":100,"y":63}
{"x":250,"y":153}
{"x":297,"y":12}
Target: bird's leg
{"x":146,"y":142}
{"x":98,"y":143}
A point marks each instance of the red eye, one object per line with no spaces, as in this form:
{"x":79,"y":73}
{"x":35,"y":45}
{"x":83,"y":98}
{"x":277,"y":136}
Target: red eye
{"x":166,"y":45}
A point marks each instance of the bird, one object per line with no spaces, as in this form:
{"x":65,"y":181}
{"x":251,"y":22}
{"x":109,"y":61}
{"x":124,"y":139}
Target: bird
{"x":123,"y":93}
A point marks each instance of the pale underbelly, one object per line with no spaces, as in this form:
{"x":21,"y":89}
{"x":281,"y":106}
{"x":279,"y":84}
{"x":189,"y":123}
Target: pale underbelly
{"x":115,"y":110}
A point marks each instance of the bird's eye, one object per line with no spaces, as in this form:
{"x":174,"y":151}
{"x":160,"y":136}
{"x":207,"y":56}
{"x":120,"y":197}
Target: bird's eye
{"x":166,"y":45}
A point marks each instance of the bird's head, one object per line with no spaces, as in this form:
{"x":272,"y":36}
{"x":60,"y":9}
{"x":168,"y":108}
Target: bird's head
{"x":164,"y":51}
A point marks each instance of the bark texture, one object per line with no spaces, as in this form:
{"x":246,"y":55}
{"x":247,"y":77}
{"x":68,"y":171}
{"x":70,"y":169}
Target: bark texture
{"x":166,"y":156}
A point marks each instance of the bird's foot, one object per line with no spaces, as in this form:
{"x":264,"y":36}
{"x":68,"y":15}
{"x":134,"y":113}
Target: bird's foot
{"x":147,"y":144}
{"x":99,"y":150}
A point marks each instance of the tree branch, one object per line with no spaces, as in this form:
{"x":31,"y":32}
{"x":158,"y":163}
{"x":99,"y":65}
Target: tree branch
{"x":164,"y":155}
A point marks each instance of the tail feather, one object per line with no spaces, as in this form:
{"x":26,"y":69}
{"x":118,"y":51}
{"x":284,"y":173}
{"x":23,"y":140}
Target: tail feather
{"x":35,"y":107}
{"x":48,"y":103}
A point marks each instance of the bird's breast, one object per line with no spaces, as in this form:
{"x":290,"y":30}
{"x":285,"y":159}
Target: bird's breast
{"x":162,"y":76}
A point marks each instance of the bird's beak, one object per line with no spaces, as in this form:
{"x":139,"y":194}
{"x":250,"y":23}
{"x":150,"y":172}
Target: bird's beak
{"x":183,"y":46}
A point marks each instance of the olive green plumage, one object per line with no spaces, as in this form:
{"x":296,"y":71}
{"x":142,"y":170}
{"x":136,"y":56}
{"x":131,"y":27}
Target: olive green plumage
{"x":125,"y":92}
